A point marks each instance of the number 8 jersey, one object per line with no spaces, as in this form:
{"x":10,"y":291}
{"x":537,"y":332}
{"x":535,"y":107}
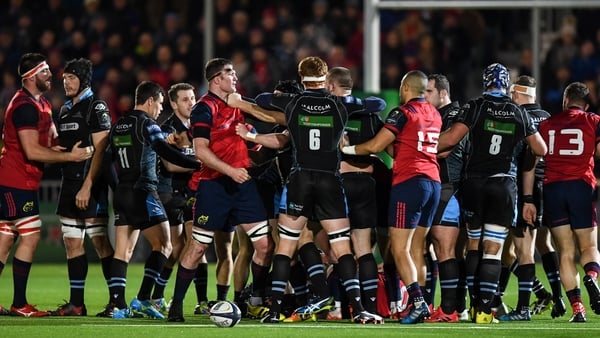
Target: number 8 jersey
{"x":497,"y":127}
{"x":571,"y":137}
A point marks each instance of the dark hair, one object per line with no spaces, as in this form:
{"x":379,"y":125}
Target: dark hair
{"x":341,"y":76}
{"x":526,"y":80}
{"x":176,"y":88}
{"x":440,"y":82}
{"x":577,"y":93}
{"x":214,"y":67}
{"x":289,"y":86}
{"x":29,"y":61}
{"x":147,"y":90}
{"x":417,"y":81}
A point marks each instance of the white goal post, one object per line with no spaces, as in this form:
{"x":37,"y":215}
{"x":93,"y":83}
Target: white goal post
{"x":372,"y":25}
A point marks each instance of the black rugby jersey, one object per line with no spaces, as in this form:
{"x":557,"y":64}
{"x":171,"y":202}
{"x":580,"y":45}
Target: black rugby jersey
{"x":135,"y":141}
{"x":168,"y":181}
{"x":537,"y":115}
{"x":359,"y":129}
{"x":316,"y":121}
{"x":77,"y":123}
{"x":451,"y":166}
{"x":497,"y":125}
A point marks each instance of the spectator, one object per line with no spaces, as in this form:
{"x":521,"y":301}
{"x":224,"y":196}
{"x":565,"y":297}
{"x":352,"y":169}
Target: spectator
{"x":170,"y":30}
{"x":585,"y":65}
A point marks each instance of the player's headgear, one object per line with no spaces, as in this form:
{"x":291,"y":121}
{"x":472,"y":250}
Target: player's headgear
{"x":31,"y":64}
{"x":82,"y":68}
{"x":496,"y":75}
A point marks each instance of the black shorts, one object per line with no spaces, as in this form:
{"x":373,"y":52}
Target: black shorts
{"x":383,"y":179}
{"x":361,"y":194}
{"x":97,"y":206}
{"x":267,"y":191}
{"x":317,"y":193}
{"x":448,"y":211}
{"x":174,"y":203}
{"x":489,"y":200}
{"x":138,"y":208}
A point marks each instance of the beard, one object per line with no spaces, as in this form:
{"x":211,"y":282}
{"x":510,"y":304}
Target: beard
{"x":42,"y":85}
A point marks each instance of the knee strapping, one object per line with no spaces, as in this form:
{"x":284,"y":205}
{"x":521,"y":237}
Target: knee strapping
{"x":474,"y":233}
{"x":497,"y":234}
{"x":28,"y":225}
{"x":72,"y":228}
{"x":339,"y":235}
{"x":94,"y":229}
{"x":287,"y":233}
{"x":202,"y":236}
{"x":259,"y":231}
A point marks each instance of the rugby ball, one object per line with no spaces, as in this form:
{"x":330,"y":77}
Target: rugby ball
{"x":225,"y":314}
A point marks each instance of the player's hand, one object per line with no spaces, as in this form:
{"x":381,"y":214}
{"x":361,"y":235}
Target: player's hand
{"x":239,"y":175}
{"x":78,"y":154}
{"x":242,"y":130}
{"x":234,"y":99}
{"x":529,"y":213}
{"x":345,"y":141}
{"x":183,"y":140}
{"x":82,"y":198}
{"x":171,"y":139}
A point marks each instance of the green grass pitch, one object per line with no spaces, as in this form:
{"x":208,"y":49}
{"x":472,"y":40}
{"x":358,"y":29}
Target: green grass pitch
{"x":49,"y":285}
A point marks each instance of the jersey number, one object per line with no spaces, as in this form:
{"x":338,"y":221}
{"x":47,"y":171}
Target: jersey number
{"x":432,"y":139}
{"x":314,"y":142}
{"x":123,"y":157}
{"x":576,"y":140}
{"x":495,"y":143}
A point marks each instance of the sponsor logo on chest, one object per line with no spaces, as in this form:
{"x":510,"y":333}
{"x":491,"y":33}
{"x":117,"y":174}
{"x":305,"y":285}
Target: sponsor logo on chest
{"x":69,"y":126}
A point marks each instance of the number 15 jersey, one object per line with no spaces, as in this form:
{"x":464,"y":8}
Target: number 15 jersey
{"x":571,"y":137}
{"x":417,"y":126}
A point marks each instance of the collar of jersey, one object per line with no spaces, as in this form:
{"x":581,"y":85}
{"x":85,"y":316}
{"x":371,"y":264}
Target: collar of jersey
{"x":86,"y":93}
{"x":496,"y":93}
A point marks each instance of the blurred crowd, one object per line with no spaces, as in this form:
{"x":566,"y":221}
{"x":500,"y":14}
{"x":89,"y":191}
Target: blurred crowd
{"x":133,"y":40}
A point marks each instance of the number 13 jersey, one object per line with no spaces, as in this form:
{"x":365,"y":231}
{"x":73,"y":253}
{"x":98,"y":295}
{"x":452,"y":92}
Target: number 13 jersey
{"x":571,"y":137}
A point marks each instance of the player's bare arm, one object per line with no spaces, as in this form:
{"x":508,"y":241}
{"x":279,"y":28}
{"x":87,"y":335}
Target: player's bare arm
{"x":378,"y":143}
{"x":536,"y":144}
{"x":272,"y":140}
{"x":209,"y":159}
{"x":36,"y":152}
{"x":451,"y":136}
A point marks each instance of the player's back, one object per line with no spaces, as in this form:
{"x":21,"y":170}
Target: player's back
{"x":571,"y":137}
{"x":316,"y":123}
{"x":497,"y":127}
